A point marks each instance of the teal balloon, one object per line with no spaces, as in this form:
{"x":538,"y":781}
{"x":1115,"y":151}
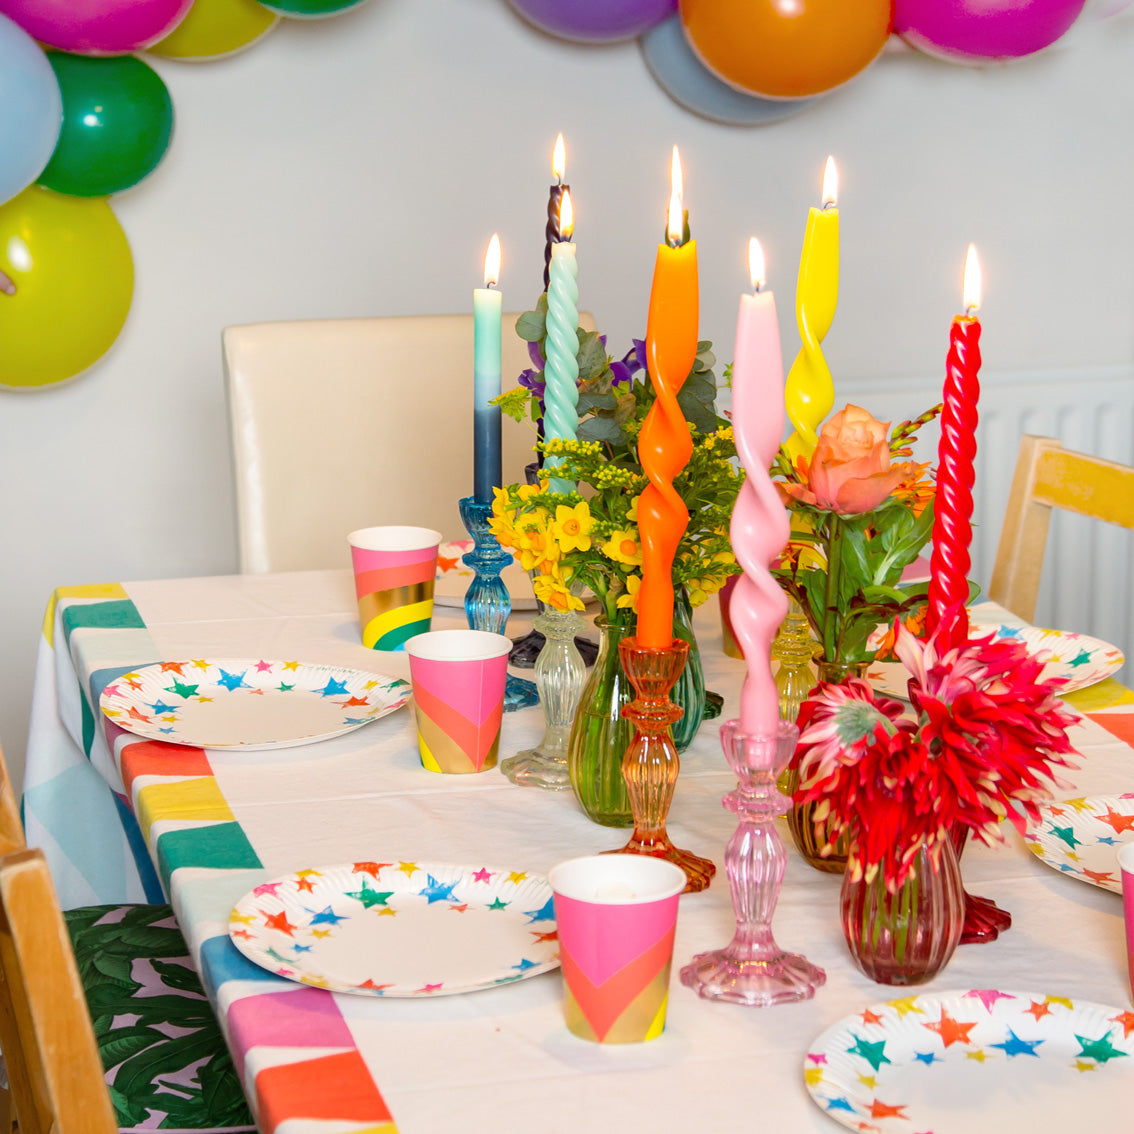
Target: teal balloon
{"x":309,"y":9}
{"x":117,"y":122}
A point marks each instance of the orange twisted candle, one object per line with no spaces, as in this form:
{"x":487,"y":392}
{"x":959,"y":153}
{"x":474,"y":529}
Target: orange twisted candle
{"x":664,"y":445}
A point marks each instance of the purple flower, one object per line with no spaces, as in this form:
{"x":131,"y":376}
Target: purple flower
{"x":630,"y":364}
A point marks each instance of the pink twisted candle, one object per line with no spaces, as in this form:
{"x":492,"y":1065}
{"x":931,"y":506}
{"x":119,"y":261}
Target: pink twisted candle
{"x":760,"y":527}
{"x":949,"y":562}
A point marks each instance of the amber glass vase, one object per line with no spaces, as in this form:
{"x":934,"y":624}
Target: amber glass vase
{"x":908,"y":936}
{"x":800,"y":823}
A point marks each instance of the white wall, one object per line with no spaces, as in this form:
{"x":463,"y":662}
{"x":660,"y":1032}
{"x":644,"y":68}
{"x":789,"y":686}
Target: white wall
{"x":358,"y":165}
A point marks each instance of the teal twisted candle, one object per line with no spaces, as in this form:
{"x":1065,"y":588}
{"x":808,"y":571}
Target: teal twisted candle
{"x":561,"y":397}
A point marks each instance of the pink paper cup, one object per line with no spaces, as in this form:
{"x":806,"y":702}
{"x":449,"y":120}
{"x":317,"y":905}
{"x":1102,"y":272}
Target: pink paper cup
{"x":1126,"y":864}
{"x":616,"y":915}
{"x":458,"y":694}
{"x":394,"y":571}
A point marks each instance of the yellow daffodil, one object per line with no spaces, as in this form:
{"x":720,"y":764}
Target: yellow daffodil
{"x":630,"y":598}
{"x":624,"y":547}
{"x":632,"y":514}
{"x":572,"y":527}
{"x":552,"y":592}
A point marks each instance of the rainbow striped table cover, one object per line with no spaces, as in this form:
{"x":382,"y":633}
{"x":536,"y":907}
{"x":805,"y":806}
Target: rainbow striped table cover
{"x":122,"y":818}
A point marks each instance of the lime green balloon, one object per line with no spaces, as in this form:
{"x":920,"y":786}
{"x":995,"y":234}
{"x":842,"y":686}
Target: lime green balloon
{"x":117,"y":121}
{"x":213,"y":28}
{"x":73,"y":274}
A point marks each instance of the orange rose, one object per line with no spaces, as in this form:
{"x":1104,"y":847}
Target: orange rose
{"x":850,"y":470}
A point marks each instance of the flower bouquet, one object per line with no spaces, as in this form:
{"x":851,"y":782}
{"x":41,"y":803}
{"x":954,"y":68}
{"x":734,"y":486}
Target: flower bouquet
{"x":587,"y":539}
{"x":988,"y":733}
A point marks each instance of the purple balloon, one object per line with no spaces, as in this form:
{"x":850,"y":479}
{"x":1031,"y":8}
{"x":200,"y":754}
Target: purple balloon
{"x":977,"y":30}
{"x":595,"y":21}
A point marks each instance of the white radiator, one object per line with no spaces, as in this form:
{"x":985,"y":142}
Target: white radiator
{"x":1088,"y":575}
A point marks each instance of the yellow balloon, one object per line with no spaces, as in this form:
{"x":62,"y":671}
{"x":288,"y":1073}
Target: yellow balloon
{"x":73,"y":276}
{"x":216,"y":27}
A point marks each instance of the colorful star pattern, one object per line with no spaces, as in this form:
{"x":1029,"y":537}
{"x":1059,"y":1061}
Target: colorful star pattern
{"x":1084,"y":843}
{"x":1006,"y":1030}
{"x":283,"y":925}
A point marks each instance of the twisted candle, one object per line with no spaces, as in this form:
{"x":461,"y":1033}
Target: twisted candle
{"x":561,"y":396}
{"x":760,"y":526}
{"x":810,"y":390}
{"x":664,"y":445}
{"x":952,"y":528}
{"x":551,"y":232}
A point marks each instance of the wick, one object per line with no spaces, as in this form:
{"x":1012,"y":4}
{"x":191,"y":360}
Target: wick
{"x":6,"y":284}
{"x":828,"y":205}
{"x":971,"y":311}
{"x":490,"y":284}
{"x":758,"y":288}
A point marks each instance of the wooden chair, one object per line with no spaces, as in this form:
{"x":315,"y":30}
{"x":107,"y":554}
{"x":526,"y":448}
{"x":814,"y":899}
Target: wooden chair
{"x":1048,"y":476}
{"x":339,"y":424}
{"x":54,"y":1068}
{"x":55,"y":968}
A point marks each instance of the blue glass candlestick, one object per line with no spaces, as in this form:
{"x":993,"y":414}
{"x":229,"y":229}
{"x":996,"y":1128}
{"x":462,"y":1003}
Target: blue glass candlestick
{"x":487,"y":602}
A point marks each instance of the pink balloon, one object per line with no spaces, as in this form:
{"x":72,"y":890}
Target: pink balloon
{"x":97,"y":27}
{"x":976,"y":30}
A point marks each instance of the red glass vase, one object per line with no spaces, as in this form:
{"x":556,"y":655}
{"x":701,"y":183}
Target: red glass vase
{"x":908,"y":936}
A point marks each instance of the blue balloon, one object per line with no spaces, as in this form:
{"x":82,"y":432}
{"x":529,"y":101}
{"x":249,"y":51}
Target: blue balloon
{"x":31,"y":109}
{"x":689,"y":82}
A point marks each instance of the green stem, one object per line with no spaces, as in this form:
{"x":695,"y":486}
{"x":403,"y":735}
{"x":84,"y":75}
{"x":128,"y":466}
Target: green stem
{"x":831,"y":598}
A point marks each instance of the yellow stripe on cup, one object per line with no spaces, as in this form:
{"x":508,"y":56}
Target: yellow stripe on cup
{"x":392,"y":628}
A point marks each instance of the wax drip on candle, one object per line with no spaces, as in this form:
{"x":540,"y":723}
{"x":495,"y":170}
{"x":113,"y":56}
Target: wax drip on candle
{"x":760,"y":526}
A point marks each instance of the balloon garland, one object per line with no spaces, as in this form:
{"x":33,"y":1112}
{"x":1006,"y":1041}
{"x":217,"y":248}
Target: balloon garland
{"x":82,"y":117}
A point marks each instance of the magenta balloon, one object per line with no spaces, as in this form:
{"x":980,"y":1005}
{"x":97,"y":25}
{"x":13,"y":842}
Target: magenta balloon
{"x":975,"y":30}
{"x":595,"y":21}
{"x":97,"y":27}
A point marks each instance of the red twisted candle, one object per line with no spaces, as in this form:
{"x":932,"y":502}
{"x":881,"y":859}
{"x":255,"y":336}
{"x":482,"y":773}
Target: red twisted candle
{"x":952,"y":522}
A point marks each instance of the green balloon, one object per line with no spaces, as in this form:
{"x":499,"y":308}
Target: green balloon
{"x":117,"y":121}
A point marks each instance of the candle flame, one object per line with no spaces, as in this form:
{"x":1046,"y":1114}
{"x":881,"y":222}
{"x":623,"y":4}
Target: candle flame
{"x":492,"y":261}
{"x":559,"y":160}
{"x":830,"y":184}
{"x":566,"y":215}
{"x":756,"y":263}
{"x":972,"y":281}
{"x":675,"y":220}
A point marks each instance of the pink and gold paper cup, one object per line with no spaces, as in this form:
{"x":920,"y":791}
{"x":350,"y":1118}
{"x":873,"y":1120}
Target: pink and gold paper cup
{"x":458,"y":681}
{"x":616,"y":916}
{"x":1126,"y":865}
{"x":394,"y":571}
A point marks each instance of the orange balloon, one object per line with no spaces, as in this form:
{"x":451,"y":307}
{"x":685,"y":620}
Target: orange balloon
{"x":786,"y":48}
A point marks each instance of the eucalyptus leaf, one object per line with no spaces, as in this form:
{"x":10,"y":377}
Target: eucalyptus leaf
{"x":593,"y":403}
{"x":600,"y":429}
{"x":531,"y":326}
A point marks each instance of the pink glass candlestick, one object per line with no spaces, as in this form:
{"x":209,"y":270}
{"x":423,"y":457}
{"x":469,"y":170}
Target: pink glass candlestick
{"x":651,"y":763}
{"x":753,"y":970}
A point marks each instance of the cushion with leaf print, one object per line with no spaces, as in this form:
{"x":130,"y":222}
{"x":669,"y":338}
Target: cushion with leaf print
{"x":166,"y":1062}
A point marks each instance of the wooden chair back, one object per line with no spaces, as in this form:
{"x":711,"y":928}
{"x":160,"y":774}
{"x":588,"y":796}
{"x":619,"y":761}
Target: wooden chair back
{"x":54,"y":1069}
{"x":11,"y":828}
{"x":1048,"y":476}
{"x":339,"y":424}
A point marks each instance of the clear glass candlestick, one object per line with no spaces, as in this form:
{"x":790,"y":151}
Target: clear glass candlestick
{"x":560,"y":674}
{"x":487,"y":602}
{"x":752,"y":969}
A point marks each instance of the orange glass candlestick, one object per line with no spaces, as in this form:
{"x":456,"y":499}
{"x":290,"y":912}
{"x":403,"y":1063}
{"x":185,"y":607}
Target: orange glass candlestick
{"x":664,"y":445}
{"x":651,"y":763}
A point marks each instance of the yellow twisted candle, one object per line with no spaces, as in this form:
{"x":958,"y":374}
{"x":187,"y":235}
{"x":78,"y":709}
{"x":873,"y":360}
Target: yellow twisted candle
{"x":809,"y":392}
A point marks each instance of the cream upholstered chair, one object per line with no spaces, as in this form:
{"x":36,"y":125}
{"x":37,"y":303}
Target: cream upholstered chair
{"x":1048,"y":476}
{"x":340,"y":424}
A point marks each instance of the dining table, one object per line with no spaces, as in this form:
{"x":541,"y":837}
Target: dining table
{"x":122,"y":817}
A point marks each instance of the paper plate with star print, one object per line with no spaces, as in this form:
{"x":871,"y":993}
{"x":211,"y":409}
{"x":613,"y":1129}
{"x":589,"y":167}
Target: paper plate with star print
{"x":976,"y":1062}
{"x":1082,"y":837}
{"x":1077,"y":658}
{"x":400,"y":929}
{"x":248,"y":703}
